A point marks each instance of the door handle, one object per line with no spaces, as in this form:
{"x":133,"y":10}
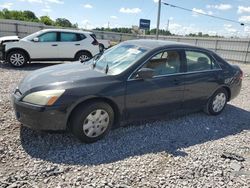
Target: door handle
{"x":77,"y":44}
{"x":54,"y":45}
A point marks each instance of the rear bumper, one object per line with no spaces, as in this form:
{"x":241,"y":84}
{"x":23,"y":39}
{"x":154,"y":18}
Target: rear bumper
{"x":235,"y":89}
{"x":39,"y":117}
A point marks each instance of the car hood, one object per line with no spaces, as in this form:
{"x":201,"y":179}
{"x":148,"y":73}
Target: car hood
{"x":59,"y":75}
{"x":9,"y":39}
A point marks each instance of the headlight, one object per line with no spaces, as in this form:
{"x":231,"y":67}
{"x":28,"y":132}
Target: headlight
{"x":47,"y":97}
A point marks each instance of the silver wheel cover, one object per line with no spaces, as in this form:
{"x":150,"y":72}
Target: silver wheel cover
{"x":219,"y":102}
{"x":83,"y":58}
{"x":96,"y":123}
{"x":17,"y":59}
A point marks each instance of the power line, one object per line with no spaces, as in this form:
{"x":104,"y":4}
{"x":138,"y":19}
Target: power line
{"x":204,"y":14}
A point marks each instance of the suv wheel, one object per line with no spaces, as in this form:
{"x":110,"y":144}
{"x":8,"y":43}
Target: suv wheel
{"x":83,"y":56}
{"x":17,"y":58}
{"x":91,"y":122}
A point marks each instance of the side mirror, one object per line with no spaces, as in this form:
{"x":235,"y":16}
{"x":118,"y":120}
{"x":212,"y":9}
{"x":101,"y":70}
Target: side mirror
{"x":145,"y":73}
{"x":36,"y":39}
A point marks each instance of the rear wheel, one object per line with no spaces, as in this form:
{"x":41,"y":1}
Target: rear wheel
{"x":91,"y":122}
{"x":217,"y":102}
{"x":17,"y":58}
{"x":83,"y":56}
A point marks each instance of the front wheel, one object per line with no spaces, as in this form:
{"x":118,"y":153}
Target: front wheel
{"x":17,"y":58}
{"x":217,"y":102}
{"x":91,"y":122}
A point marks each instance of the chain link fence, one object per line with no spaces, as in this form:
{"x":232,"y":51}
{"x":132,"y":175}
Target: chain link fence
{"x":233,"y":50}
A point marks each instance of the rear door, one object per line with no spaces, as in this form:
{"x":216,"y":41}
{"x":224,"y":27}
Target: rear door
{"x":70,"y":43}
{"x":201,"y":79}
{"x":161,"y":94}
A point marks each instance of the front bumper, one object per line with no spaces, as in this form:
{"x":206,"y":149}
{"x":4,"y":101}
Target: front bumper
{"x":2,"y":52}
{"x":39,"y":117}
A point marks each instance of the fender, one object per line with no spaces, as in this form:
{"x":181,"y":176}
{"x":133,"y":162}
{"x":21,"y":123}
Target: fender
{"x":117,"y":110}
{"x":16,"y":48}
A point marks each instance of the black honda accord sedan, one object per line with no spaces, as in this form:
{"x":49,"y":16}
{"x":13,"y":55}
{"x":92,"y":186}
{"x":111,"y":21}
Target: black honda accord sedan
{"x":134,"y":80}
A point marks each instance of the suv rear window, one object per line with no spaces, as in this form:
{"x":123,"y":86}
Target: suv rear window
{"x":81,"y":36}
{"x":70,"y":37}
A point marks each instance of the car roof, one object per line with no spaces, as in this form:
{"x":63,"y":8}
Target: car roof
{"x":67,"y":30}
{"x":152,"y":44}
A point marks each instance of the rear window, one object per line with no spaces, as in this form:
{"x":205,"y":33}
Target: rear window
{"x":199,"y":61}
{"x":81,"y":36}
{"x":70,"y":37}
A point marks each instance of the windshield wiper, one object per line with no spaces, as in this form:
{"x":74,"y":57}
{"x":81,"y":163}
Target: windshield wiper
{"x":95,"y":59}
{"x":107,"y":68}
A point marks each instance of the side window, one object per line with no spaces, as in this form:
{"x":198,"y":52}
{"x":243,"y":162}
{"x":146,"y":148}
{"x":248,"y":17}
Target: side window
{"x":48,"y":37}
{"x":81,"y":36}
{"x":164,"y":63}
{"x":199,"y":61}
{"x":68,"y":37}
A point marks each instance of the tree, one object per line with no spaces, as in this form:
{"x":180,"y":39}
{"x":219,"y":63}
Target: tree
{"x":31,"y":17}
{"x":18,"y":15}
{"x":63,"y":22}
{"x":28,"y":15}
{"x":5,"y":14}
{"x":46,"y":20}
{"x":75,"y":25}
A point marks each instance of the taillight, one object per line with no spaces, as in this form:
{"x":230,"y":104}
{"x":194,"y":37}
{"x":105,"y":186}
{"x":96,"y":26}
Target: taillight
{"x":95,"y":42}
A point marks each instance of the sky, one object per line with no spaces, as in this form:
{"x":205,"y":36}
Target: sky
{"x":90,"y":14}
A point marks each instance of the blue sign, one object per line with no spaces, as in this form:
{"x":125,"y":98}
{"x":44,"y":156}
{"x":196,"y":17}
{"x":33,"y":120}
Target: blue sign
{"x":144,"y":24}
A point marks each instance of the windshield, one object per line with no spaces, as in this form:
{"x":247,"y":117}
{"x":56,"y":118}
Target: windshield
{"x":33,"y":35}
{"x":119,"y":58}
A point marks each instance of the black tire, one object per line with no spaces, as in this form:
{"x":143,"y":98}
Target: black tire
{"x":79,"y":119}
{"x":210,"y":107}
{"x":101,"y":47}
{"x":17,"y":58}
{"x":83,"y":56}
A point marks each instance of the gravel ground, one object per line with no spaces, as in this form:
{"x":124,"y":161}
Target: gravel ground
{"x":179,"y":152}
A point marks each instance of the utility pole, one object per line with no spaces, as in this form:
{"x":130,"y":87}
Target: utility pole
{"x":168,"y":25}
{"x":158,"y":19}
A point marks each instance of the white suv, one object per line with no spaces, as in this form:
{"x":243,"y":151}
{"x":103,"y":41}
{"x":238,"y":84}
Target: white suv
{"x":51,"y":45}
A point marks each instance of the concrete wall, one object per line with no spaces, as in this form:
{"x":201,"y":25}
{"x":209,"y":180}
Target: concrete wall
{"x":233,"y":50}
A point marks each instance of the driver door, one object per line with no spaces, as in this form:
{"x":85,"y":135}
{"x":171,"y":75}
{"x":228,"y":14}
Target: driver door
{"x":160,"y":94}
{"x":46,"y":47}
